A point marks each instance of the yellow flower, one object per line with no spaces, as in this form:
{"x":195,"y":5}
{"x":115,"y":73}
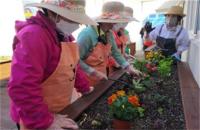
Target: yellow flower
{"x":120,"y":93}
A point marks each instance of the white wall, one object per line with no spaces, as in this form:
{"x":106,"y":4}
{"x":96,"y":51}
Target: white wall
{"x":193,"y":55}
{"x":194,"y":59}
{"x":9,"y":12}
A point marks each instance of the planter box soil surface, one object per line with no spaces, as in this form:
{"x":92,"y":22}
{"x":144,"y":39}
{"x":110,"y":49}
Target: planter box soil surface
{"x":162,"y":103}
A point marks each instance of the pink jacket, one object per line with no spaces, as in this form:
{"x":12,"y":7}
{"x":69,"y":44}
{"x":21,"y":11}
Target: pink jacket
{"x":36,"y":52}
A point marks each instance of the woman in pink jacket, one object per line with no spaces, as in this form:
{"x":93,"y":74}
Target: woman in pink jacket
{"x":44,"y":65}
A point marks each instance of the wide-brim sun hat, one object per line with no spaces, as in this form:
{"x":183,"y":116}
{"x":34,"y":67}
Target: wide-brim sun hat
{"x":73,"y":10}
{"x":112,"y":12}
{"x":175,"y":10}
{"x":128,"y":13}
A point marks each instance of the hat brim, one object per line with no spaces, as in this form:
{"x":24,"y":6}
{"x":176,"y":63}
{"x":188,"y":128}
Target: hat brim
{"x":172,"y":13}
{"x":101,"y":20}
{"x":76,"y":17}
{"x":133,"y":19}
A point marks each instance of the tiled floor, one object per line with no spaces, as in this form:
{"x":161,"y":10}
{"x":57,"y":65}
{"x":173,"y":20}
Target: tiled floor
{"x":5,"y":121}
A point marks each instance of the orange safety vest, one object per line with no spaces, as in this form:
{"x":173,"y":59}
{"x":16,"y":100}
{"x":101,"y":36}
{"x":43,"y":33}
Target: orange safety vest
{"x":58,"y":89}
{"x":98,"y":59}
{"x":121,"y":44}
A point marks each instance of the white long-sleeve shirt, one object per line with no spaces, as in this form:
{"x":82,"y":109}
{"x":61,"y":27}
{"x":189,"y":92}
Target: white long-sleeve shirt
{"x":182,"y":41}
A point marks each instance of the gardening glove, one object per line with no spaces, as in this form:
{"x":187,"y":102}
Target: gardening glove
{"x":176,"y":56}
{"x":61,"y":122}
{"x":99,"y":75}
{"x":131,"y":70}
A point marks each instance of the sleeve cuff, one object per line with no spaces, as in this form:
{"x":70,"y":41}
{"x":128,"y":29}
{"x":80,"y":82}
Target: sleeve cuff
{"x":124,"y":65}
{"x":90,"y":70}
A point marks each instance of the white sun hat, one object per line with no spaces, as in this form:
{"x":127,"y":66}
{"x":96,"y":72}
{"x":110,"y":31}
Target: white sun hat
{"x":128,"y":13}
{"x":112,"y":12}
{"x":175,"y":10}
{"x":71,"y":9}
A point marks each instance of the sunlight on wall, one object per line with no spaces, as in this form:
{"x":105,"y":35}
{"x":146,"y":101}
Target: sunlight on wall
{"x":9,"y":12}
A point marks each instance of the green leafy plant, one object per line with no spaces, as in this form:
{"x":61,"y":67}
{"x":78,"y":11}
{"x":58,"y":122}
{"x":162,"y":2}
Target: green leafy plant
{"x":160,"y":110}
{"x":138,"y":87}
{"x":140,"y":65}
{"x":124,"y":107}
{"x":159,"y":98}
{"x":147,"y":81}
{"x":164,"y":67}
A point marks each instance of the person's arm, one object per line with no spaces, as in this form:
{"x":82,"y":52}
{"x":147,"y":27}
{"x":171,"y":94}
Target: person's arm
{"x":85,"y":44}
{"x":120,"y":59}
{"x":183,"y":41}
{"x":116,"y":54}
{"x":154,"y":33}
{"x":27,"y":72}
{"x":81,"y":83}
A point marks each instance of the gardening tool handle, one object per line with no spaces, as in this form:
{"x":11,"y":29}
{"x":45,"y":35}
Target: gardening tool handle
{"x":117,"y":80}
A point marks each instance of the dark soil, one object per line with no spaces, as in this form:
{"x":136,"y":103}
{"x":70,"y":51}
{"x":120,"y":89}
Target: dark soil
{"x":162,"y":103}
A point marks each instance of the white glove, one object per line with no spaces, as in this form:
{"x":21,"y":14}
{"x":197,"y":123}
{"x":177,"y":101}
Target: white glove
{"x":61,"y":122}
{"x":131,"y":70}
{"x":99,"y":75}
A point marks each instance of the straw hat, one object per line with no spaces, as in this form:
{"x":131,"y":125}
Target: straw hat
{"x":175,"y":10}
{"x":71,"y":9}
{"x":128,"y":13}
{"x":112,"y":12}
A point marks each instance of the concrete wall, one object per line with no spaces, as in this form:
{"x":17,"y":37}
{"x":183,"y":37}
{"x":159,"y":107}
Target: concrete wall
{"x":194,"y":58}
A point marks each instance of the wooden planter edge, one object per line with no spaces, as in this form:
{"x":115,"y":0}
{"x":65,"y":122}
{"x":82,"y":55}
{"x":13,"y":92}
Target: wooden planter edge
{"x":76,"y":108}
{"x":190,"y":96}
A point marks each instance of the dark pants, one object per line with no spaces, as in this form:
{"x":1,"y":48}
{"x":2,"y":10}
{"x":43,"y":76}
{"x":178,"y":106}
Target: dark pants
{"x":18,"y":126}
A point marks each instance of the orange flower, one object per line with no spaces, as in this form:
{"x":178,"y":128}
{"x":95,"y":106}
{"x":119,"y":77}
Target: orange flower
{"x":112,"y":98}
{"x":110,"y":101}
{"x":134,"y":100}
{"x":121,"y":93}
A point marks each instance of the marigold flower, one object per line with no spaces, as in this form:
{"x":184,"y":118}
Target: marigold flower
{"x":110,"y":101}
{"x":121,"y":93}
{"x":112,"y":98}
{"x":134,"y":100}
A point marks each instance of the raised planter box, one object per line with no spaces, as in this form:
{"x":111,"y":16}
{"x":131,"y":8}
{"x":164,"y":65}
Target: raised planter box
{"x":189,"y":93}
